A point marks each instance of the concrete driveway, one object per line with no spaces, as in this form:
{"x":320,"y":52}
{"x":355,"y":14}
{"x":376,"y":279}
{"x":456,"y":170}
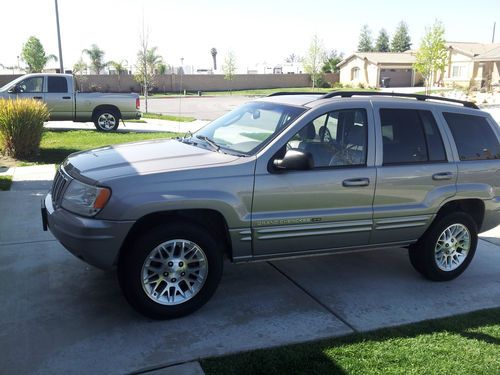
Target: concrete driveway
{"x":59,"y":315}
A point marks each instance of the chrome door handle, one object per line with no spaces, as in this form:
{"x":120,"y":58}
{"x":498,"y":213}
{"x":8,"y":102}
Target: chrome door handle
{"x":353,"y":182}
{"x":442,"y":176}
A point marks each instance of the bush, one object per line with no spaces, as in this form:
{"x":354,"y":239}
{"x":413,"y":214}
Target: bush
{"x":21,"y":126}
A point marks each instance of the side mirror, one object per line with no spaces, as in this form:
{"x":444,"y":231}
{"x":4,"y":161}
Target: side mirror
{"x":295,"y":160}
{"x":13,"y":90}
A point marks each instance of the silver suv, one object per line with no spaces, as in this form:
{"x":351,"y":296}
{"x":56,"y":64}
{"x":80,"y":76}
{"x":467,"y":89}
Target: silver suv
{"x":282,"y":176}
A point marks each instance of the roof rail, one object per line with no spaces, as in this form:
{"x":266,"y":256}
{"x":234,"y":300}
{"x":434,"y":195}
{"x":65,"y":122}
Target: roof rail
{"x":348,"y":94}
{"x":280,"y":93}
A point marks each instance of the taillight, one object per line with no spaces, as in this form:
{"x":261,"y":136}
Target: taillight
{"x":137,"y":103}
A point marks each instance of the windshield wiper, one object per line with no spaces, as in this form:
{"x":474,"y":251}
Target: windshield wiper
{"x":208,"y":140}
{"x":186,"y":138}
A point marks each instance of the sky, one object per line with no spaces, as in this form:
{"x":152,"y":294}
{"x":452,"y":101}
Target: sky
{"x":257,"y":31}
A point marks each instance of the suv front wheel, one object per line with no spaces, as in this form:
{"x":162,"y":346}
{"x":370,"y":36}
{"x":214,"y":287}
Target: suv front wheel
{"x":447,"y":247}
{"x":170,"y":271}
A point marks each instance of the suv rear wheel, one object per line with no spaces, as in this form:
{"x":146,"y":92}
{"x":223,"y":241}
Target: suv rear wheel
{"x":447,"y":247}
{"x":170,"y":272}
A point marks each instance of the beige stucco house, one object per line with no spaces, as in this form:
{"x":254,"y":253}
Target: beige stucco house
{"x":472,"y":63}
{"x":370,"y":68}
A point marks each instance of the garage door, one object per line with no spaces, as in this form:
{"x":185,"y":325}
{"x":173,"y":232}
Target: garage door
{"x":398,"y":77}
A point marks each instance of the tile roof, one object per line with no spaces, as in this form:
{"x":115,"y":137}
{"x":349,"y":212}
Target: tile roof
{"x":480,"y":51}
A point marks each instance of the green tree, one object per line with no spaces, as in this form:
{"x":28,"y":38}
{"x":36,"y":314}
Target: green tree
{"x":333,"y":58}
{"x":432,"y":55}
{"x":382,"y":43}
{"x":365,"y":43}
{"x":80,"y":67}
{"x":33,"y":54}
{"x":314,"y":60}
{"x":119,"y":67}
{"x":229,"y":67}
{"x":96,"y":57}
{"x":401,"y":40}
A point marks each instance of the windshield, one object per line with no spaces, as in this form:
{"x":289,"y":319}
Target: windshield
{"x":247,"y":128}
{"x":12,"y":83}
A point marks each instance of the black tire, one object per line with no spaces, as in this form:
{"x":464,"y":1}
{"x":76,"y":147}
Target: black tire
{"x":132,"y":260}
{"x":422,"y":253}
{"x":110,"y":117}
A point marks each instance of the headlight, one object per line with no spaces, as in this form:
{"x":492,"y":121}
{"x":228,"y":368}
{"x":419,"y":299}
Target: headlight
{"x":85,"y":199}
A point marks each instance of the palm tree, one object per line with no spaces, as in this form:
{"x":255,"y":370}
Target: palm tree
{"x":118,"y":66}
{"x":153,"y":60}
{"x":96,"y":56}
{"x":213,"y":52}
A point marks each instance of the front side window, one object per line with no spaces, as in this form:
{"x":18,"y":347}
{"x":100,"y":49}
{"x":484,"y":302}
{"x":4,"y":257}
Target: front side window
{"x":410,"y":136}
{"x":335,"y":139}
{"x":246,"y":129}
{"x":32,"y":84}
{"x":473,"y":136}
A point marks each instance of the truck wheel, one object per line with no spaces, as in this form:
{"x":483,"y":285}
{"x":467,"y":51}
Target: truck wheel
{"x":106,"y":120}
{"x":170,"y":271}
{"x":446,"y":248}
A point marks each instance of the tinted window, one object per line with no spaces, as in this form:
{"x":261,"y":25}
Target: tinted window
{"x":58,"y":84}
{"x":473,"y":136}
{"x":335,"y":139}
{"x":410,"y":136}
{"x":433,"y":137}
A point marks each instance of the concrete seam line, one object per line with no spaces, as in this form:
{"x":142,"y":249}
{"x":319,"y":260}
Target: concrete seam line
{"x":331,"y":311}
{"x":24,"y":242}
{"x":145,"y":370}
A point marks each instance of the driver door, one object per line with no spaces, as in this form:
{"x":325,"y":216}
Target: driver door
{"x":328,"y":207}
{"x":30,"y":88}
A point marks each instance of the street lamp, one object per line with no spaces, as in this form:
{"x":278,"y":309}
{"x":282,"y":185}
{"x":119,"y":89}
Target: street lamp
{"x":61,"y":65}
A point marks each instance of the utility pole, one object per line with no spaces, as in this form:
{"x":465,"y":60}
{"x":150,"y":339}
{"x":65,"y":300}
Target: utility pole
{"x":61,"y":65}
{"x":493,"y":36}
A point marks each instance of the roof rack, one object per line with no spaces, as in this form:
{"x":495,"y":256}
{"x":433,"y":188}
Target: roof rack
{"x":348,"y":94}
{"x":279,"y":93}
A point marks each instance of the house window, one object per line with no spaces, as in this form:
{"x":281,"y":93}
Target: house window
{"x":457,"y":71}
{"x":354,"y":73}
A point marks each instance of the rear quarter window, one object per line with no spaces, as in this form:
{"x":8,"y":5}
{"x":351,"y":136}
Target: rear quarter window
{"x":474,"y":137}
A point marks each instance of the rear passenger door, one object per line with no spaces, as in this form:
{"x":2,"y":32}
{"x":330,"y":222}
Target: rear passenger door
{"x":415,"y":172}
{"x":59,"y":101}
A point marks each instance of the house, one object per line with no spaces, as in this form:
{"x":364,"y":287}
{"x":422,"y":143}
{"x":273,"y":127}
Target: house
{"x":472,"y":63}
{"x":372,"y":68}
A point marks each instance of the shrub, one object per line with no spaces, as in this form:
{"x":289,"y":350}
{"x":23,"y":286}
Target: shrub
{"x":21,"y":126}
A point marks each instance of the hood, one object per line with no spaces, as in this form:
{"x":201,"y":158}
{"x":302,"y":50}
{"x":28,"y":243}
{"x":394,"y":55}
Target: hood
{"x":142,"y":158}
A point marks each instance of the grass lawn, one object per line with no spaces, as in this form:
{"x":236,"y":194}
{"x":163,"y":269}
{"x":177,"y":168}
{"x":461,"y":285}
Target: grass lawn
{"x":260,"y":92}
{"x":5,"y":182}
{"x":464,"y":344}
{"x":160,"y":116}
{"x":56,"y":145}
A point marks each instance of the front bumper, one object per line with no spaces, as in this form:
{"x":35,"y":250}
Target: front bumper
{"x":96,"y":242}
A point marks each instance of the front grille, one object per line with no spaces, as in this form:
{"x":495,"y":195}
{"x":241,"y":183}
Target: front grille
{"x":58,"y":186}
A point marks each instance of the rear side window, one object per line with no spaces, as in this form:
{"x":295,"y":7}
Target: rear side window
{"x":410,"y":136}
{"x":473,"y":136}
{"x":57,"y":85}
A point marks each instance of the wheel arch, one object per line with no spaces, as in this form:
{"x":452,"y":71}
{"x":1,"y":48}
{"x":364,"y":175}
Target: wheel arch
{"x":213,"y":221}
{"x":106,"y":107}
{"x":474,"y":207}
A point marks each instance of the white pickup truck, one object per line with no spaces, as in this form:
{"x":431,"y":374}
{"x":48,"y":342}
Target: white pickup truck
{"x":65,"y":103}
